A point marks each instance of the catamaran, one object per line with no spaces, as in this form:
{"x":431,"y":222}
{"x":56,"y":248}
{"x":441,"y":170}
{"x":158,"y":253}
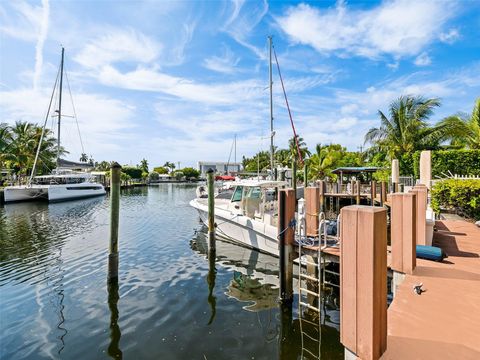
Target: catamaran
{"x":64,"y":183}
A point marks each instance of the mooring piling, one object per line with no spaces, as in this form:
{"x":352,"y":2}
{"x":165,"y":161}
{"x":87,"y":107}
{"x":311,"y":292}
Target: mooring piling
{"x":373,"y":192}
{"x":363,"y":281}
{"x":211,"y":210}
{"x":286,"y":219}
{"x":357,"y":192}
{"x":403,"y":236}
{"x":383,"y":193}
{"x":115,"y":171}
{"x":305,"y":175}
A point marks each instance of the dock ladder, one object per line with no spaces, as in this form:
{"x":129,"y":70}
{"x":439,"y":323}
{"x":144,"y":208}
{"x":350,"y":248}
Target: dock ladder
{"x":309,"y":291}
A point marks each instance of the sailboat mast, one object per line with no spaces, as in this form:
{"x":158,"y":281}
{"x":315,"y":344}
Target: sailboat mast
{"x":60,"y":109}
{"x":235,"y":150}
{"x":271,"y":107}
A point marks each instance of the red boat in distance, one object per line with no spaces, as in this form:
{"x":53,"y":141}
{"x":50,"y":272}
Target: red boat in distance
{"x":224,"y":178}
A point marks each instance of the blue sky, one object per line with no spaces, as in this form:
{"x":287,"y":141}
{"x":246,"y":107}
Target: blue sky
{"x":174,"y":81}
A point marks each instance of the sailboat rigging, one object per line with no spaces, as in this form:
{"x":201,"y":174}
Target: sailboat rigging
{"x":63,"y":184}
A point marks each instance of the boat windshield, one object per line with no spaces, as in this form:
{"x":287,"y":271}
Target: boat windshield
{"x":54,"y":180}
{"x":237,"y":195}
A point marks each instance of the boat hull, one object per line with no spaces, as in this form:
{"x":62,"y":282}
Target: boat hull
{"x":52,"y":193}
{"x":241,"y":229}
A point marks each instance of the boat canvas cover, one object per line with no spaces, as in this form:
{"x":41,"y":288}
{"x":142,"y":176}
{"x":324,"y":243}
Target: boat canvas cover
{"x":73,"y":165}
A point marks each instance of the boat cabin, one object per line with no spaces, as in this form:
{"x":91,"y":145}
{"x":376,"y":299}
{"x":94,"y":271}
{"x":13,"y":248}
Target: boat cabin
{"x":255,"y":199}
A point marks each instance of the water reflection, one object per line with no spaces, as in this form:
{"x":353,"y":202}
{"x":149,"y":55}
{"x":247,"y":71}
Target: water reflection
{"x":254,"y":280}
{"x":115,"y":333}
{"x":212,"y":273}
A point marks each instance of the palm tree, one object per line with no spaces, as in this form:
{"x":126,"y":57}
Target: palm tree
{"x":407,"y":129}
{"x":23,"y":147}
{"x":169,"y":165}
{"x":83,"y":157}
{"x":302,"y":146}
{"x":5,"y":141}
{"x":325,"y":159}
{"x":282,"y":157}
{"x":464,"y":130}
{"x":144,"y":165}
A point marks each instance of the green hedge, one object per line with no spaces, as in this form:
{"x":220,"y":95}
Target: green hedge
{"x":463,"y":195}
{"x":461,"y":162}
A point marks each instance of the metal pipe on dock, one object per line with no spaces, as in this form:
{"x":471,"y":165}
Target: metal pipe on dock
{"x":115,"y":171}
{"x":211,"y":211}
{"x":286,"y":218}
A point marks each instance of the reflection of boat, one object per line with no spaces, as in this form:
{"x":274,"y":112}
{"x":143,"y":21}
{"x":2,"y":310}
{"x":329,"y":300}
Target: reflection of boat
{"x":63,"y":184}
{"x":247,"y":216}
{"x":255,"y":275}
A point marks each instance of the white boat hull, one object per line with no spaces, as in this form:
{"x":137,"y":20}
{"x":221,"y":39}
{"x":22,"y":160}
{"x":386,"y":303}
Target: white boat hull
{"x":52,"y":193}
{"x":241,"y":229}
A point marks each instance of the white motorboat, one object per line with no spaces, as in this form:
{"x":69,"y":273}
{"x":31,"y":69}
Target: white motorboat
{"x":63,"y":184}
{"x":247,"y":215}
{"x":60,"y":186}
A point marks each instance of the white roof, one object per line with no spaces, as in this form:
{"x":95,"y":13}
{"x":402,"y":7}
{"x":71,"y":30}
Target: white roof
{"x":260,"y":183}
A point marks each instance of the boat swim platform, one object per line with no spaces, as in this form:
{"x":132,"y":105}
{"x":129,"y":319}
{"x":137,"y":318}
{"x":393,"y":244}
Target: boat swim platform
{"x":444,"y":321}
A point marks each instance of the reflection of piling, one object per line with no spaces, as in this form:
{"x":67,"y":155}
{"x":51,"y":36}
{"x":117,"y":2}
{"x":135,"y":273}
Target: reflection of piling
{"x":286,"y":334}
{"x":286,"y":218}
{"x":212,"y":273}
{"x":115,"y":171}
{"x":211,"y":211}
{"x":115,"y":333}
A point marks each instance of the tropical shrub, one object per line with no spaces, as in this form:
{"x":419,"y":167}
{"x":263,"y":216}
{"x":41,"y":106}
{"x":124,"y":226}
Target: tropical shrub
{"x":462,"y":195}
{"x":133,"y":172}
{"x":153,"y":176}
{"x":160,"y":170}
{"x":191,"y":173}
{"x":461,"y":162}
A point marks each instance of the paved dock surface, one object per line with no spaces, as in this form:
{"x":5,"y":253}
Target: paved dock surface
{"x":444,"y":321}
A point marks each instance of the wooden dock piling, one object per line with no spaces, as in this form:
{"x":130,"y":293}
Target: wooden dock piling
{"x":357,"y":192}
{"x":363,"y":281}
{"x":403,"y":236}
{"x":286,"y":216}
{"x":373,"y":192}
{"x":322,"y":190}
{"x":312,"y":206}
{"x":421,"y":210}
{"x":115,"y":171}
{"x":294,"y":179}
{"x":211,"y":211}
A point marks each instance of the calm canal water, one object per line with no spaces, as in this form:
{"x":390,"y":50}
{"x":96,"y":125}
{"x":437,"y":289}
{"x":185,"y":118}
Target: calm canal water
{"x":170,"y":304}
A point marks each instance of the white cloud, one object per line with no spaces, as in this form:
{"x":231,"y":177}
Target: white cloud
{"x":226,"y":63}
{"x":117,"y":45}
{"x":450,"y":37}
{"x":41,"y":40}
{"x":423,"y":59}
{"x":398,"y":28}
{"x":244,"y":17}
{"x":23,"y":22}
{"x":102,"y":120}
